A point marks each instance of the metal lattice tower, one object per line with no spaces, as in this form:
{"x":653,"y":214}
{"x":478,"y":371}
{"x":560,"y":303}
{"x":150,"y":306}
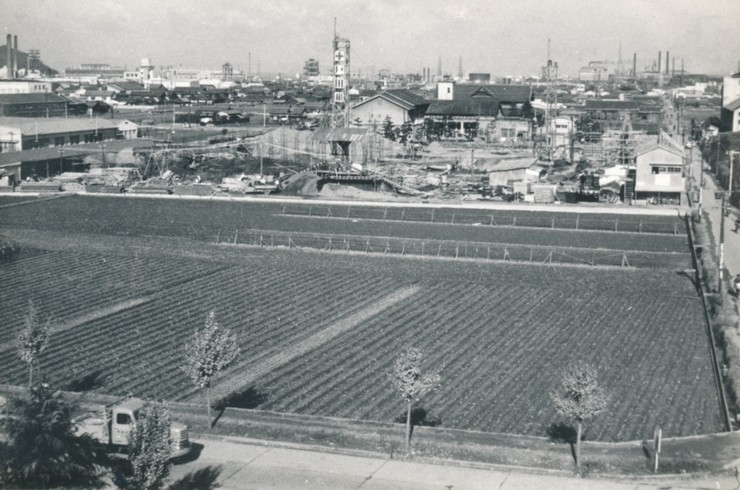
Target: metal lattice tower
{"x":340,"y":108}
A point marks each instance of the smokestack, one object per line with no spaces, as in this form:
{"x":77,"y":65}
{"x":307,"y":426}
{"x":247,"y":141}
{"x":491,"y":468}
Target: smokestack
{"x":9,"y":55}
{"x":439,"y":67}
{"x":634,"y":65}
{"x":667,"y":61}
{"x":459,"y":68}
{"x":673,"y":68}
{"x":660,"y":59}
{"x":15,"y":56}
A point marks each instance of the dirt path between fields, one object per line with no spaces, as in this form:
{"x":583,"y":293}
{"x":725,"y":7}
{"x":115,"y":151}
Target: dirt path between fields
{"x":90,"y":316}
{"x":234,"y":382}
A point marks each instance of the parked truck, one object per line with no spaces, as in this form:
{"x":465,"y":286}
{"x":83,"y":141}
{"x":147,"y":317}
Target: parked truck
{"x":112,"y":425}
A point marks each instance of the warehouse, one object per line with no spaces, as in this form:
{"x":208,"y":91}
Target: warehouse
{"x":38,"y":105}
{"x":20,"y":133}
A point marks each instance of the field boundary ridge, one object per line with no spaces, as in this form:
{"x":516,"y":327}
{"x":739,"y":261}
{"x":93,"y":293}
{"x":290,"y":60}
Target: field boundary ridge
{"x":234,"y":382}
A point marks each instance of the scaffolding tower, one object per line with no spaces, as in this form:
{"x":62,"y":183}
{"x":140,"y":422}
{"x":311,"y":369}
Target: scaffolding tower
{"x":551,"y":103}
{"x":340,"y":108}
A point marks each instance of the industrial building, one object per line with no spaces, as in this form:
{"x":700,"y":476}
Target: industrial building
{"x":20,"y":133}
{"x":38,"y":105}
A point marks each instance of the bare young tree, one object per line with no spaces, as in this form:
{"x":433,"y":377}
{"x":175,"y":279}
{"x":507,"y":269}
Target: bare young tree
{"x":209,"y":351}
{"x":150,"y":449}
{"x":579,"y":397}
{"x":33,"y":338}
{"x":409,"y":380}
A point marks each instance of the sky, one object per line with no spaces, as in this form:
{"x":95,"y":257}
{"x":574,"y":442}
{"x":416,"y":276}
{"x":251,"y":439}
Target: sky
{"x":492,"y":36}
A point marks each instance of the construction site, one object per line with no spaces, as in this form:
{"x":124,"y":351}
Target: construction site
{"x":343,"y":159}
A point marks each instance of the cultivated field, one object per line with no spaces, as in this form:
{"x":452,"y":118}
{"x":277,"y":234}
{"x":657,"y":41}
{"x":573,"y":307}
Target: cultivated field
{"x":319,"y":331}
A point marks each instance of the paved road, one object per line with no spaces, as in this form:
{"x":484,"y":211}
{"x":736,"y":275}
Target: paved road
{"x":712,"y":207}
{"x":234,"y":463}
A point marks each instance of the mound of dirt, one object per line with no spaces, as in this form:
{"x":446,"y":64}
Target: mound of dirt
{"x":343,"y":191}
{"x":301,"y":185}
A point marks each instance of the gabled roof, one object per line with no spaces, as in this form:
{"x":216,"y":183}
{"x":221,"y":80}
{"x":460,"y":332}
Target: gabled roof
{"x":733,"y":105}
{"x":127,"y":85}
{"x":504,"y":93}
{"x":653,"y":145}
{"x":464,"y":107}
{"x":402,"y":98}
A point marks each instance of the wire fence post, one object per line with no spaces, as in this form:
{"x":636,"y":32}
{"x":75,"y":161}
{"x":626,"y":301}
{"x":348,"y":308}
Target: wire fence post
{"x":578,"y":216}
{"x":236,"y":236}
{"x":218,"y":236}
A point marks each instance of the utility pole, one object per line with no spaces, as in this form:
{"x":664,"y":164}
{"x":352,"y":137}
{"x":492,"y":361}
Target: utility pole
{"x":722,"y":225}
{"x":721,"y":249}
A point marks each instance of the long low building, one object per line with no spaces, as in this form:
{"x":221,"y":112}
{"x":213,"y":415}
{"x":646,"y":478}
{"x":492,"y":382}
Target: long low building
{"x":21,"y":133}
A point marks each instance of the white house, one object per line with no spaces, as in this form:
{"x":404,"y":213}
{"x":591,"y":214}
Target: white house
{"x":128,"y":130}
{"x":659,"y":170}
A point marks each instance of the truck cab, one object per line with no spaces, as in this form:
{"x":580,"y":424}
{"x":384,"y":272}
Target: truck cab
{"x":117,"y":421}
{"x":123,"y":419}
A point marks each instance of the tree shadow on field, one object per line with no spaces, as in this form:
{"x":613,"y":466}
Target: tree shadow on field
{"x":420,"y":417}
{"x":202,"y":479}
{"x":249,"y":398}
{"x":88,"y":382}
{"x":564,"y":434}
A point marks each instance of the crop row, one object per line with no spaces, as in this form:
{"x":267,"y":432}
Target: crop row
{"x":565,"y":220}
{"x":510,"y":346}
{"x":204,"y":220}
{"x":148,"y":339}
{"x":65,"y":285}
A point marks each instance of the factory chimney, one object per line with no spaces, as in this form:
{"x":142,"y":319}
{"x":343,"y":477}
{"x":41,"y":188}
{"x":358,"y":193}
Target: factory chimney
{"x":9,"y":56}
{"x":15,"y":56}
{"x":667,"y":61}
{"x":634,"y":65}
{"x":660,"y":59}
{"x":439,"y":67}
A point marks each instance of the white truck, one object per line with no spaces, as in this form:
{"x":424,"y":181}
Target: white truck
{"x":112,"y":425}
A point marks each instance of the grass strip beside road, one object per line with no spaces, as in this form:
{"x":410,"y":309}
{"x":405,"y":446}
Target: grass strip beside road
{"x":696,"y":454}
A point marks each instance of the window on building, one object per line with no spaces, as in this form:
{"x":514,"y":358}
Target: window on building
{"x":89,"y":138}
{"x":74,"y":140}
{"x":59,"y":141}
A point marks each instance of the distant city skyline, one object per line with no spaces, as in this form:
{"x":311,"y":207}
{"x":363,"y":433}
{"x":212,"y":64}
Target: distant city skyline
{"x":404,"y":36}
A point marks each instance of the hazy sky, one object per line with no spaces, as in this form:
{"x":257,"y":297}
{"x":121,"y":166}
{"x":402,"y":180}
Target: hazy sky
{"x":500,"y":37}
